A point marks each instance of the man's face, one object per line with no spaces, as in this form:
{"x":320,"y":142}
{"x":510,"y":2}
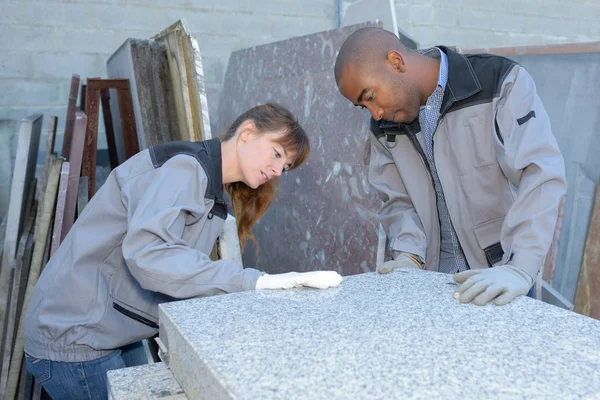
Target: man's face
{"x":383,"y":89}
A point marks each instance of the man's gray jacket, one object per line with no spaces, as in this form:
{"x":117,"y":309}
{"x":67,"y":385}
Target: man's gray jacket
{"x":499,"y":164}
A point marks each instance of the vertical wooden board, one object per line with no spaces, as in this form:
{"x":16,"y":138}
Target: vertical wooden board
{"x":34,"y":272}
{"x":11,"y":318}
{"x":164,"y":93}
{"x":28,"y":207}
{"x":60,"y":208}
{"x":109,"y":128}
{"x":76,"y":157}
{"x":587,"y":297}
{"x":169,"y":38}
{"x":200,"y":92}
{"x":24,"y":172}
{"x":92,"y":108}
{"x":130,"y":137}
{"x":50,"y":140}
{"x":70,"y":120}
{"x":193,"y":106}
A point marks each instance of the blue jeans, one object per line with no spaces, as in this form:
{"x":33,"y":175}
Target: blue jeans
{"x":82,"y":380}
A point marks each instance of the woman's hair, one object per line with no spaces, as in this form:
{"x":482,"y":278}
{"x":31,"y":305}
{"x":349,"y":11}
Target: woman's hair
{"x":249,"y":205}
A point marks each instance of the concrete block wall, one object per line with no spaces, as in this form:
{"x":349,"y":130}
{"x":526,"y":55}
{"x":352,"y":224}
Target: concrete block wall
{"x":43,"y":42}
{"x":488,"y":23}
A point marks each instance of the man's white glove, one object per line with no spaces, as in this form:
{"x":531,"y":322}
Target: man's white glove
{"x":315,"y":279}
{"x":501,"y":284}
{"x":403,"y":261}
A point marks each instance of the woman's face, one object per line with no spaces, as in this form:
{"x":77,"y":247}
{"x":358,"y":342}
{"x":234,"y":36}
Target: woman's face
{"x":261,"y":157}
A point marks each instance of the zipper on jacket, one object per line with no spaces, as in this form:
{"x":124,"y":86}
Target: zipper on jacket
{"x":135,"y":316}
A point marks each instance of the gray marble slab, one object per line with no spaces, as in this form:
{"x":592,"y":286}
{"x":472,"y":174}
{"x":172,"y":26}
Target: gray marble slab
{"x":400,"y":335}
{"x":151,"y":381}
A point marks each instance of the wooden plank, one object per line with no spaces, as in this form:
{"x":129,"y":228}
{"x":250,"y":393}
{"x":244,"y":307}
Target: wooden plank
{"x":23,"y":174}
{"x":13,"y":309}
{"x":74,"y":172}
{"x":29,"y":208}
{"x":57,"y":234}
{"x":128,"y":127}
{"x":587,"y":297}
{"x":109,"y":128}
{"x":97,"y":84}
{"x":169,"y":38}
{"x":92,"y":107}
{"x":34,"y":272}
{"x":50,"y":140}
{"x":70,"y":121}
{"x":197,"y":90}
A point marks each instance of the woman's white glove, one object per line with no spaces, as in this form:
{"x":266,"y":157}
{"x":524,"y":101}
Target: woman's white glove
{"x":315,"y":279}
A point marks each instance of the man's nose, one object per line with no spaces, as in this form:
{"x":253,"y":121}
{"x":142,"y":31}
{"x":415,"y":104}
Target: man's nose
{"x":376,"y":112}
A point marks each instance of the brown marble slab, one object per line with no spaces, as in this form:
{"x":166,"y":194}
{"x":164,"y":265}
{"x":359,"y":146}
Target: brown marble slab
{"x":324,"y":215}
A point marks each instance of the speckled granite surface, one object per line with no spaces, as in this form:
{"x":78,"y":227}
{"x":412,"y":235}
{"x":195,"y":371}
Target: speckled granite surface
{"x":146,"y":382}
{"x":400,"y":335}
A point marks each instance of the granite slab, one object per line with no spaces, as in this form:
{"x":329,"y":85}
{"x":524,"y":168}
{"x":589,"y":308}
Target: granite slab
{"x":146,"y":382}
{"x":400,"y":335}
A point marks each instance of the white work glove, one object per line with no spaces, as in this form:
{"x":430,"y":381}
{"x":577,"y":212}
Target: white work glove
{"x":403,"y":261}
{"x":315,"y":279}
{"x":501,"y":284}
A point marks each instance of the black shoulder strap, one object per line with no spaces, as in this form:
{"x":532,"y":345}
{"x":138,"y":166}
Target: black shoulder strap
{"x":389,"y":129}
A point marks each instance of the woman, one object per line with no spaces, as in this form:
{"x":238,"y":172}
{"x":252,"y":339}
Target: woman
{"x":145,"y":238}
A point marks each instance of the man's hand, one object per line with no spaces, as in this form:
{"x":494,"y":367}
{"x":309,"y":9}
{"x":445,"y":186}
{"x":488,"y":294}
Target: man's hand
{"x":501,"y":284}
{"x":315,"y":279}
{"x":403,"y":261}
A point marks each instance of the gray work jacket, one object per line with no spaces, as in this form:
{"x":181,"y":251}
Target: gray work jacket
{"x":499,"y":164}
{"x":143,"y":239}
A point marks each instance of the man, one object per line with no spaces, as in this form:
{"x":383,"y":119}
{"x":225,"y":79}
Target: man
{"x":464,"y":159}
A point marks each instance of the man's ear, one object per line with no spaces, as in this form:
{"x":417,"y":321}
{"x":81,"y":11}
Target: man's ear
{"x":396,"y":60}
{"x":247,"y":129}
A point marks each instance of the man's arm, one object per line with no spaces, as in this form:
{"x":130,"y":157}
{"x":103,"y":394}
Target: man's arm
{"x":531,"y":160}
{"x":529,"y":156}
{"x":397,"y":214}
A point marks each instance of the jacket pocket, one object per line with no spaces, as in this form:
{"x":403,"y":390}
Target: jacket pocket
{"x":133,"y":315}
{"x":130,"y":299}
{"x":488,"y":237}
{"x":480,"y":141}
